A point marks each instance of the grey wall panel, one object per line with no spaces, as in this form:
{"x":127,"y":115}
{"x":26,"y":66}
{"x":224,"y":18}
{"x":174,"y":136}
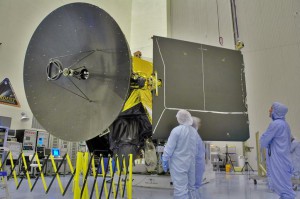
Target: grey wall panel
{"x":208,"y":81}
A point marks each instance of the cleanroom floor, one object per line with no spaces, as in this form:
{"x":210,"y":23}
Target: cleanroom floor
{"x":222,"y":186}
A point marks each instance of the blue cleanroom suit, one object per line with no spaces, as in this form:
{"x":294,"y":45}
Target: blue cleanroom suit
{"x":277,"y":139}
{"x":268,"y":172}
{"x":182,"y":152}
{"x":200,"y":159}
{"x":295,"y":153}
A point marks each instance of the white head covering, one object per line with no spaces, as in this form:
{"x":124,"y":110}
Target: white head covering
{"x":196,"y":122}
{"x":184,"y":117}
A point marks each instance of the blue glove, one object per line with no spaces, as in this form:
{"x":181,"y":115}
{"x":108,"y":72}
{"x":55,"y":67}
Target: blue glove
{"x":165,"y":165}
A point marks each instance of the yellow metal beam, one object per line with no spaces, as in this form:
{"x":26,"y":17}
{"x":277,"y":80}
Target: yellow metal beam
{"x":27,"y":173}
{"x":77,"y":175}
{"x":94,"y":175}
{"x":57,"y":175}
{"x":12,"y":166}
{"x":129,"y":183}
{"x":103,"y":174}
{"x":42,"y":173}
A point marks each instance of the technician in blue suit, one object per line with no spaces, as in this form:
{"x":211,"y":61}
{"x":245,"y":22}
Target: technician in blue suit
{"x":180,"y":154}
{"x":277,"y":139}
{"x":295,"y":152}
{"x":200,"y":158}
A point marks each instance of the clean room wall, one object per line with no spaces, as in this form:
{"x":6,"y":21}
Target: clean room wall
{"x":197,"y":21}
{"x":18,"y":21}
{"x":270,"y":31}
{"x":149,"y":17}
{"x":222,"y":145}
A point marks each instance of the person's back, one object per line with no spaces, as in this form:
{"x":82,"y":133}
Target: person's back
{"x":295,"y":153}
{"x":187,"y":141}
{"x":200,"y":159}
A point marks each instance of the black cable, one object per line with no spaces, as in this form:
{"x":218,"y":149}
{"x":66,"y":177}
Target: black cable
{"x":218,"y":17}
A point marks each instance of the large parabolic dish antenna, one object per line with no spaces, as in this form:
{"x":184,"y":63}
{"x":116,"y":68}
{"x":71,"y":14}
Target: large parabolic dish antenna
{"x":77,"y":71}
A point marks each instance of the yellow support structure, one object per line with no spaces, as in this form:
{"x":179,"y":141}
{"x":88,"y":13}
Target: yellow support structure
{"x":94,"y":175}
{"x":1,"y":170}
{"x":12,"y":166}
{"x":85,"y":172}
{"x":103,"y":174}
{"x":70,"y":163}
{"x":124,"y":173}
{"x":42,"y":173}
{"x":111,"y":175}
{"x":129,"y":183}
{"x":57,"y":175}
{"x":26,"y":168}
{"x":77,"y":175}
{"x":119,"y":176}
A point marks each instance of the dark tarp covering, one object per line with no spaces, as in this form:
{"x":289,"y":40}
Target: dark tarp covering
{"x":99,"y":145}
{"x":127,"y":133}
{"x":129,"y":130}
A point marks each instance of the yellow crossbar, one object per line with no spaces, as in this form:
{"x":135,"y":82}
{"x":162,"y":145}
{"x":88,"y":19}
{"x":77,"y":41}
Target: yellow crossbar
{"x":27,"y":173}
{"x":57,"y":175}
{"x":94,"y":175}
{"x":42,"y":173}
{"x":12,"y":166}
{"x":129,"y":183}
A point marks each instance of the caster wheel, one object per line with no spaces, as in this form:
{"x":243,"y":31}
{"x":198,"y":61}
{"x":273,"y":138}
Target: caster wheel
{"x":295,"y":187}
{"x":255,"y":182}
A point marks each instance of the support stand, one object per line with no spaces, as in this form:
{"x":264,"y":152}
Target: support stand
{"x":247,"y":166}
{"x":228,"y":158}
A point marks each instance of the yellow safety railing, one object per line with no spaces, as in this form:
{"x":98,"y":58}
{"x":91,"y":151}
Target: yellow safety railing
{"x":114,"y":168}
{"x":40,"y":167}
{"x":108,"y":169}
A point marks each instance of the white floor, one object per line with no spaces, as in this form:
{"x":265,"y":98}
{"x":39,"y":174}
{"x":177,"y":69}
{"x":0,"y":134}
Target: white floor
{"x":223,"y":186}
